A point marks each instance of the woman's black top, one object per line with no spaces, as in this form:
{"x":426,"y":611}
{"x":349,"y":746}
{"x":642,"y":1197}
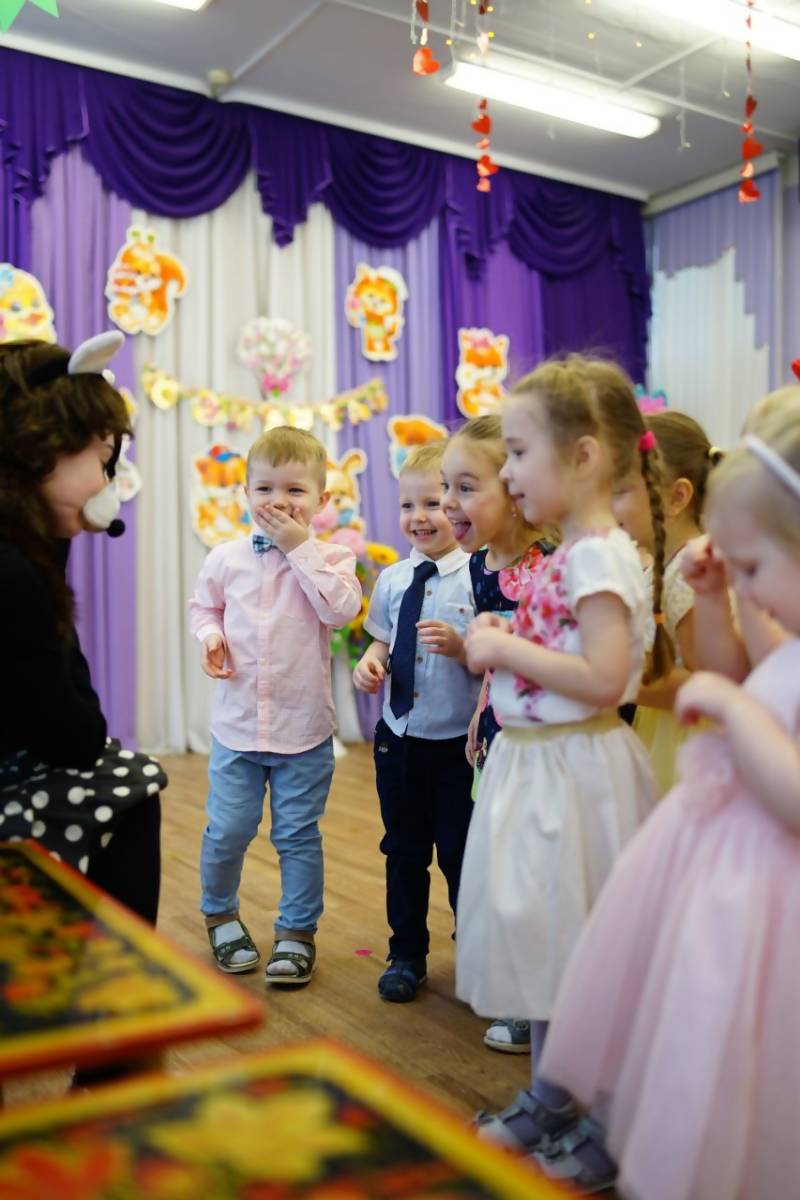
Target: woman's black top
{"x":47,"y":704}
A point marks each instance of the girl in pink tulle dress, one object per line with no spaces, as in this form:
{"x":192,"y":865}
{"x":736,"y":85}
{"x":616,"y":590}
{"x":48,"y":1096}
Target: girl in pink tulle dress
{"x":678,"y":1021}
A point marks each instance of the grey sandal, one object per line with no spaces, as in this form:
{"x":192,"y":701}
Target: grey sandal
{"x":560,"y":1159}
{"x":224,"y":951}
{"x":538,"y":1125}
{"x":303,"y":962}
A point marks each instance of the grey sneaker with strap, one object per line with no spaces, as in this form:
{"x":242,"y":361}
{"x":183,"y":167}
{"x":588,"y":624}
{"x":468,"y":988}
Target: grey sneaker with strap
{"x":509,"y":1036}
{"x":579,"y":1158}
{"x":526,"y":1124}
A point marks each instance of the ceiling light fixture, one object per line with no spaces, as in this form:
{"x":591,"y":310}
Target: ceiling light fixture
{"x":191,"y":5}
{"x":727,"y":18}
{"x":581,"y":108}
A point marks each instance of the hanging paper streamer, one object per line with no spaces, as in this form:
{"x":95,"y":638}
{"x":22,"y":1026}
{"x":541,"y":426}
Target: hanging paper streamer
{"x":482,"y":367}
{"x":751,"y":148}
{"x":407,"y":432}
{"x":374,"y":304}
{"x":24,"y":311}
{"x":276,"y":351}
{"x":486,"y":166}
{"x":423,"y":62}
{"x":219,"y":499}
{"x":341,"y":522}
{"x":143,"y":284}
{"x":212,"y":408}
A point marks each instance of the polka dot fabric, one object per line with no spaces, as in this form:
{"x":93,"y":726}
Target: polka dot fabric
{"x":73,"y":813}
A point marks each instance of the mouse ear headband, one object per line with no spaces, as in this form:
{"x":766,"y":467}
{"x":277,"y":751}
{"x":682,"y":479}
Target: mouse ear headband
{"x":90,"y":358}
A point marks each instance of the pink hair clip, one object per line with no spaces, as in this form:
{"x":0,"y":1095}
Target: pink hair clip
{"x":647,"y":442}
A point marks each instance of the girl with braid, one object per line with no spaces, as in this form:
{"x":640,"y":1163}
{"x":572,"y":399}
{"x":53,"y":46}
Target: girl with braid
{"x":686,"y":457}
{"x":566,"y":783}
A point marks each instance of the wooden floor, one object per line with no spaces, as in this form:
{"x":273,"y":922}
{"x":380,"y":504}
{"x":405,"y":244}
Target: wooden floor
{"x":436,"y":1042}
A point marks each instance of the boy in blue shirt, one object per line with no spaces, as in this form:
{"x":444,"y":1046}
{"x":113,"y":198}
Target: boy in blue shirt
{"x":419,"y":612}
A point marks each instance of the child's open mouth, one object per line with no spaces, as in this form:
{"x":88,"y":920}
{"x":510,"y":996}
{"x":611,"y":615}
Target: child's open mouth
{"x":461,"y":529}
{"x":423,"y":533}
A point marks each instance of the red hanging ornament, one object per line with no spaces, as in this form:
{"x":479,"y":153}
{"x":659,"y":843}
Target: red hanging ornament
{"x":485,"y":166}
{"x":751,"y":147}
{"x":423,"y":62}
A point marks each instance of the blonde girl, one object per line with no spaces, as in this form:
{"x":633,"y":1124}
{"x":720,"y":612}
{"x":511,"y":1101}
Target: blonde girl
{"x":503,"y":550}
{"x":566,"y":783}
{"x":688,"y":966}
{"x":686,"y":457}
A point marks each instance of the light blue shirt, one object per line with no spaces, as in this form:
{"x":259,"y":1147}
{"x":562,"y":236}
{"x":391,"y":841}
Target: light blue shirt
{"x":445,"y":693}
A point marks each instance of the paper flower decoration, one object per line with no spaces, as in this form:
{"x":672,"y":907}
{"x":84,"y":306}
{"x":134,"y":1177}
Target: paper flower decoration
{"x":276,"y":351}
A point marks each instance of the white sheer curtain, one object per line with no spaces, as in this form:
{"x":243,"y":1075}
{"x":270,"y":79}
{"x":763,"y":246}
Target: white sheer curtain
{"x":235,"y":273}
{"x":716,"y":330}
{"x":703,"y":349}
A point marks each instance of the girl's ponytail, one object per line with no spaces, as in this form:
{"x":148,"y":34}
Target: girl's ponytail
{"x":662,"y":657}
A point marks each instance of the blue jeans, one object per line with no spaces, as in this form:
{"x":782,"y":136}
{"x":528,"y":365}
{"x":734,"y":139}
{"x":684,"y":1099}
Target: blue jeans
{"x":298,"y":789}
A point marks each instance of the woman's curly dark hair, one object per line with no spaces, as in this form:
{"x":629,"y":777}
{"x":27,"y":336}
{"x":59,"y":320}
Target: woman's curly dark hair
{"x":44,"y":414}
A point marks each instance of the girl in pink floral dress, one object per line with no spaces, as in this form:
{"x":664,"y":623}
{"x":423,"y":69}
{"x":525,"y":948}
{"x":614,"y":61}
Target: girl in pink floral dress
{"x":566,"y":783}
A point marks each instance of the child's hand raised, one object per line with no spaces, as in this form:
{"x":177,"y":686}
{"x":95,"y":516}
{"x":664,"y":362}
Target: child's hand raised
{"x":486,"y":646}
{"x":369,"y":675}
{"x":287,"y":530}
{"x":702,"y":568}
{"x":215,"y":651}
{"x":705,"y":695}
{"x":487,"y":620}
{"x":440,"y":638}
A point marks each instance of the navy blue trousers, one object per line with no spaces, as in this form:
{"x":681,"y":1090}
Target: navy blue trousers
{"x":424,"y":789}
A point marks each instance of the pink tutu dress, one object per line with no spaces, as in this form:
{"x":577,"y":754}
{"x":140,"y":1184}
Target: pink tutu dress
{"x":678,"y":1020}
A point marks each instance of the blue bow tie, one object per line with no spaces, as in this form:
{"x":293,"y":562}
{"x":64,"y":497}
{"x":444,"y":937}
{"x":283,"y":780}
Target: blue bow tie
{"x":262,"y":543}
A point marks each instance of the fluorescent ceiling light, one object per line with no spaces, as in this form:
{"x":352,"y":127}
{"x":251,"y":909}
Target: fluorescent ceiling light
{"x":192,"y":5}
{"x":582,"y":108}
{"x":727,"y":18}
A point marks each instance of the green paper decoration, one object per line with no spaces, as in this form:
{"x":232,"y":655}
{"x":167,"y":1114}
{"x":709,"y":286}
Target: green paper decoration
{"x":10,"y":10}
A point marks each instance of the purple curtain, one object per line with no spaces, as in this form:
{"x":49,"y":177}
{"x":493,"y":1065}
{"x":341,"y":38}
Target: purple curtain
{"x":696,"y":234}
{"x":178,"y":154}
{"x":506,"y":299}
{"x":41,"y":114}
{"x":71,"y":258}
{"x":412,"y":381}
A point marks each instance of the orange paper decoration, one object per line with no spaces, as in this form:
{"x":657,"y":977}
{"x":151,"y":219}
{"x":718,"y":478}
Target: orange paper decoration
{"x":424,"y":63}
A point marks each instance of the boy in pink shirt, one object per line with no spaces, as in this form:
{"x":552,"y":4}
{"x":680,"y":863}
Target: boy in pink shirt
{"x":263,"y":609}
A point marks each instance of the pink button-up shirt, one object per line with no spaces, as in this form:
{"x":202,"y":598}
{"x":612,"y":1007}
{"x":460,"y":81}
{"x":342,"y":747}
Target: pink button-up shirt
{"x":275,"y":612}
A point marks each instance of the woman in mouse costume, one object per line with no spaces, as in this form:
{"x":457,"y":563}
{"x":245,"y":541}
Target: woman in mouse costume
{"x":62,"y":781}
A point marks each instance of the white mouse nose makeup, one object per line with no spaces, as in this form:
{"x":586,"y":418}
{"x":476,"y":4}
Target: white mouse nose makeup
{"x":92,"y":358}
{"x":100,"y":511}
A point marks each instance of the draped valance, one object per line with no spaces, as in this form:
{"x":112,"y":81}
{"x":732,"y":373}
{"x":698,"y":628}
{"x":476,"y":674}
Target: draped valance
{"x":178,"y":154}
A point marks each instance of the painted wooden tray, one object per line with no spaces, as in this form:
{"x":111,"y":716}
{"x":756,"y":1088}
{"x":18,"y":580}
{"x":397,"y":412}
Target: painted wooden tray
{"x":82,"y":980}
{"x":314,"y":1121}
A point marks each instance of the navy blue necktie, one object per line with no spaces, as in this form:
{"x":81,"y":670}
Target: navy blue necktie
{"x":262,"y":543}
{"x":404,"y":652}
